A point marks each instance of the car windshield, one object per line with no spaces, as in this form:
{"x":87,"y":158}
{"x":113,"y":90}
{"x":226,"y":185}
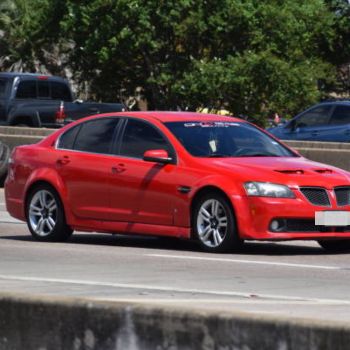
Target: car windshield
{"x":226,"y":139}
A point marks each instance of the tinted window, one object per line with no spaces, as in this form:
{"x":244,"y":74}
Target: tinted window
{"x":66,"y":140}
{"x":226,"y":139}
{"x":341,"y":115}
{"x":2,"y":88}
{"x":43,"y":89}
{"x":315,"y":117}
{"x":60,"y":91}
{"x":96,"y":136}
{"x":140,"y":137}
{"x":26,"y":89}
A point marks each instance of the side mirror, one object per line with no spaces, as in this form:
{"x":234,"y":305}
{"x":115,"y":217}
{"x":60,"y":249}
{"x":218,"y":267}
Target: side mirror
{"x":157,"y":156}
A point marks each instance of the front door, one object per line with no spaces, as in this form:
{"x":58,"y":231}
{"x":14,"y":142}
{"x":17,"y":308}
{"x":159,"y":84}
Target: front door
{"x":141,"y":191}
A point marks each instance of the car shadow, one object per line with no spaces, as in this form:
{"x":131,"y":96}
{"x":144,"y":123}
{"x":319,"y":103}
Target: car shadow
{"x":175,"y":244}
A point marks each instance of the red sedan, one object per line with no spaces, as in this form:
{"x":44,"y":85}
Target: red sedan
{"x":217,"y":179}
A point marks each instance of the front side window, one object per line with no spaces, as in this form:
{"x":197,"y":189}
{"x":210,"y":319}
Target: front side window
{"x":96,"y":136}
{"x":226,"y":139}
{"x":139,"y":137}
{"x":341,"y":115}
{"x":315,"y":117}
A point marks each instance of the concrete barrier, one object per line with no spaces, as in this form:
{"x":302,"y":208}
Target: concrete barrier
{"x":43,"y":323}
{"x":14,"y":136}
{"x":20,"y":131}
{"x":333,"y":153}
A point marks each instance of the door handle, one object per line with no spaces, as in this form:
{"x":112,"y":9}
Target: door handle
{"x":314,"y":133}
{"x":117,"y":169}
{"x":62,"y":161}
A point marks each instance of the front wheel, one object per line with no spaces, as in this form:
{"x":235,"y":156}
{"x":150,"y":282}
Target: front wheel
{"x":45,"y":215}
{"x":214,"y":224}
{"x":335,"y":246}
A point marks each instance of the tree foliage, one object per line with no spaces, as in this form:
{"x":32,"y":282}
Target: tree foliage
{"x":248,"y":56}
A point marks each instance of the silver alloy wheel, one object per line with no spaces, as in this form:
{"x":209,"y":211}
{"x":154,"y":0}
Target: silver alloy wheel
{"x":212,"y":223}
{"x":43,"y":213}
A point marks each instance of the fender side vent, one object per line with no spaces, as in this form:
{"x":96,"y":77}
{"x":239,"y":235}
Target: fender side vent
{"x":323,"y":171}
{"x":291,"y":171}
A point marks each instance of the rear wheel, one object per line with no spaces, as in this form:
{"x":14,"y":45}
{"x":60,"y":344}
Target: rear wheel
{"x":214,"y":224}
{"x":335,"y":246}
{"x":45,"y":215}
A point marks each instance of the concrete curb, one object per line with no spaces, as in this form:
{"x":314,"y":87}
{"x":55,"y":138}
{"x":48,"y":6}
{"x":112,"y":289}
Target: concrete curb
{"x":34,"y":323}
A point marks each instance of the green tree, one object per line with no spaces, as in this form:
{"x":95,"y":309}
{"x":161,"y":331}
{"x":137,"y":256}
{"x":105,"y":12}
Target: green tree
{"x":251,"y":56}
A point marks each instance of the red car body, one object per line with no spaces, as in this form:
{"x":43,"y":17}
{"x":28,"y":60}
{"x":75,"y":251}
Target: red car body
{"x":118,"y":194}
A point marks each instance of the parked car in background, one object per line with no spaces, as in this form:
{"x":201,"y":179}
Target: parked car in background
{"x":4,"y":157}
{"x":326,"y":121}
{"x":43,"y":101}
{"x":219,"y":180}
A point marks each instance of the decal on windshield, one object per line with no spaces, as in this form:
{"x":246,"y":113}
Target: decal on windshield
{"x":211,"y":124}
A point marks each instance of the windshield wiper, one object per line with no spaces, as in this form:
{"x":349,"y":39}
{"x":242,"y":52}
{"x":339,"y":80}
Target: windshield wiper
{"x":217,"y":155}
{"x":258,"y":155}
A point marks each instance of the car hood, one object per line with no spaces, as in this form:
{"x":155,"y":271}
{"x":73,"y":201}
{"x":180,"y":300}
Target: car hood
{"x":292,"y":171}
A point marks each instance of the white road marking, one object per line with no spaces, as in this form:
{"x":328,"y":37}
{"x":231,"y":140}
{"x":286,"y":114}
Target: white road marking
{"x":17,"y":222}
{"x":271,"y":263}
{"x":214,"y":301}
{"x":251,"y":296}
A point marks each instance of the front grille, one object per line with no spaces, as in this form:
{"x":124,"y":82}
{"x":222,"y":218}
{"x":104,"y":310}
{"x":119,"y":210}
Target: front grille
{"x":342,"y":195}
{"x":306,"y":225}
{"x":301,"y":225}
{"x":316,"y":196}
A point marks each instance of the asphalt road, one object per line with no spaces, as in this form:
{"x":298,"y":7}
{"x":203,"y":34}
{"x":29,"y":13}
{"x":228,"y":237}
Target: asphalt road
{"x":293,"y":279}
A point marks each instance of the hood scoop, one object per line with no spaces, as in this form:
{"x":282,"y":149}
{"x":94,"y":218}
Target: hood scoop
{"x":291,"y":171}
{"x":324,"y":171}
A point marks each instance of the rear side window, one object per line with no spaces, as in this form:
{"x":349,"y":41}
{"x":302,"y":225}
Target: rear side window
{"x":341,"y":115}
{"x":60,"y":91}
{"x":139,"y":137}
{"x":26,"y":89}
{"x":96,"y":136}
{"x":67,"y":140}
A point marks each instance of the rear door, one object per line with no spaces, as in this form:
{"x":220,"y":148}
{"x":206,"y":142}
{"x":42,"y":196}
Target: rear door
{"x":84,"y":161}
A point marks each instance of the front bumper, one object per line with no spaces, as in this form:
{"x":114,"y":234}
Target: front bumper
{"x":255,"y":214}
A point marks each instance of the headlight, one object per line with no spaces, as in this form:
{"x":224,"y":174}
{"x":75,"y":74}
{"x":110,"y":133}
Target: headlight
{"x":266,"y":189}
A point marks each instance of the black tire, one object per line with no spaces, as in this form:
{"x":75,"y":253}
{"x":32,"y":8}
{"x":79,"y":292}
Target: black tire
{"x":45,"y":215}
{"x":209,"y":230}
{"x":335,"y":246}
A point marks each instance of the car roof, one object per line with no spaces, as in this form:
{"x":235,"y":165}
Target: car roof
{"x":10,"y":75}
{"x":335,"y":102}
{"x":169,"y":116}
